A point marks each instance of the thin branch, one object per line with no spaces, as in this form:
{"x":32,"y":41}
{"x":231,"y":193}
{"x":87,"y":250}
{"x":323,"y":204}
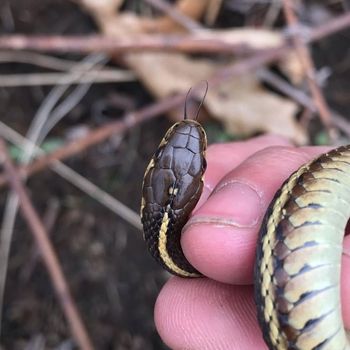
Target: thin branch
{"x":187,"y":43}
{"x":37,"y":59}
{"x":191,"y":43}
{"x":34,"y":134}
{"x":49,"y":220}
{"x":93,"y":76}
{"x":100,"y":134}
{"x":47,"y":252}
{"x":330,"y":27}
{"x":309,"y":69}
{"x":47,"y":106}
{"x":76,"y":179}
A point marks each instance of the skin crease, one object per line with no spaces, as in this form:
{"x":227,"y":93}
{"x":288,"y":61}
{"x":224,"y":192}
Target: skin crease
{"x":218,"y":312}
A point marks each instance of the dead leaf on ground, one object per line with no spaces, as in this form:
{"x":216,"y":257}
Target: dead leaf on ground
{"x":243,"y":106}
{"x":292,"y":68}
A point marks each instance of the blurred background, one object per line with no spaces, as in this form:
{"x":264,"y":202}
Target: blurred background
{"x":95,"y":84}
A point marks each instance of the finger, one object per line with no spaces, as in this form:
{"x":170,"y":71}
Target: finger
{"x":222,"y":158}
{"x":205,"y":315}
{"x":220,"y":238}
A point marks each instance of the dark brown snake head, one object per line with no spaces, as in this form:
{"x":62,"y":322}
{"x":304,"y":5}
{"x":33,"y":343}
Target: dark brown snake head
{"x":172,"y":186}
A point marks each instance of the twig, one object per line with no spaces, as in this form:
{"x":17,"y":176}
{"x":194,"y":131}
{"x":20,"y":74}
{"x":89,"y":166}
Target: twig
{"x":36,"y":59}
{"x":190,"y":43}
{"x":76,"y":179}
{"x":47,"y":252}
{"x":93,"y":76}
{"x":98,"y":135}
{"x":330,"y":27}
{"x":61,"y":110}
{"x":47,"y":106}
{"x":34,"y":134}
{"x":309,"y":69}
{"x":49,"y":219}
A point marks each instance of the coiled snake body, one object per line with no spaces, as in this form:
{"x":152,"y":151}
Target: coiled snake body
{"x":298,"y":260}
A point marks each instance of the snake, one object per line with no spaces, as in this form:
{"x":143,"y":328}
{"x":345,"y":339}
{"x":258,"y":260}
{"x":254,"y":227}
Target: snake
{"x":299,"y":248}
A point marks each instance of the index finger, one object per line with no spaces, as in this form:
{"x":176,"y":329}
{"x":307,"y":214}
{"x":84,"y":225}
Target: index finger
{"x":220,"y":238}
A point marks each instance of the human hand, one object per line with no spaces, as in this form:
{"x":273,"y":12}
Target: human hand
{"x":218,"y":312}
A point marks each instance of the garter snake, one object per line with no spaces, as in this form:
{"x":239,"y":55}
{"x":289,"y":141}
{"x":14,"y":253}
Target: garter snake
{"x":297,"y":269}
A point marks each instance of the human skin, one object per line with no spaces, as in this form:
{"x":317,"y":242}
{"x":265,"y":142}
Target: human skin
{"x":218,"y":311}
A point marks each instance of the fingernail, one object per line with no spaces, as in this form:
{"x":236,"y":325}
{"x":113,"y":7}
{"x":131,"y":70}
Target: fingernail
{"x":235,"y":201}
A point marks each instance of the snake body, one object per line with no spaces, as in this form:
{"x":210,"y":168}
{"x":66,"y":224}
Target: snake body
{"x":298,"y":260}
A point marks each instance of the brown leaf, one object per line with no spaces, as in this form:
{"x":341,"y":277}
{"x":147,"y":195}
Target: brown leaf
{"x":245,"y":108}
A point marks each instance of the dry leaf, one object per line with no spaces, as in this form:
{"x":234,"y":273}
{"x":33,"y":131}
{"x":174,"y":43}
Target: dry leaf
{"x":166,"y":74}
{"x":291,"y":67}
{"x":244,"y":107}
